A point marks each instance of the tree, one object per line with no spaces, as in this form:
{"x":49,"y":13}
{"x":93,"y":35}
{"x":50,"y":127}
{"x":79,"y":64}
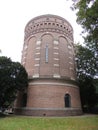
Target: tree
{"x":86,"y":69}
{"x":86,"y":62}
{"x":87,"y":17}
{"x":88,"y":93}
{"x":87,"y":55}
{"x":13,"y":78}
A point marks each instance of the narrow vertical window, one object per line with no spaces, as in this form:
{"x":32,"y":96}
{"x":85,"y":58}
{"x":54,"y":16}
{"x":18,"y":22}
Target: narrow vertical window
{"x":67,"y":99}
{"x":24,"y":100}
{"x":46,"y":54}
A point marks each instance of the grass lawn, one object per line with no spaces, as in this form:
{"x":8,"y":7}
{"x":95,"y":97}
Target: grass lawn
{"x":49,"y":123}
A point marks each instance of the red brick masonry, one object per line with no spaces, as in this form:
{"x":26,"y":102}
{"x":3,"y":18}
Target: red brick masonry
{"x":49,"y":58}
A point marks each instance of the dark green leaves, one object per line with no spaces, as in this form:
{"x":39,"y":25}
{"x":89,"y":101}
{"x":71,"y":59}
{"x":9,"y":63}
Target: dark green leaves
{"x":13,"y":77}
{"x":87,"y":55}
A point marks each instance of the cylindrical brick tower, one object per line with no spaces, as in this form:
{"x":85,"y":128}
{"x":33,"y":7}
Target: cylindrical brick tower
{"x":48,"y":56}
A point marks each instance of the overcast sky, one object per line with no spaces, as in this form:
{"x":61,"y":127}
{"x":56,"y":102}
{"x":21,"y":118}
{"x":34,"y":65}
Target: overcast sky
{"x":14,"y":15}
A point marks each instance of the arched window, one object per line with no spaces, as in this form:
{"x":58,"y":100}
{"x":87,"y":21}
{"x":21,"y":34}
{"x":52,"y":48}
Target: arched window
{"x":24,"y":100}
{"x":67,"y":99}
{"x":46,"y":53}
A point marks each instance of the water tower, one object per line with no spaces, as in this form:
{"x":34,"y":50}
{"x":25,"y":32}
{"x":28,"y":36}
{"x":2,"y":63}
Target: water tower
{"x":48,"y":56}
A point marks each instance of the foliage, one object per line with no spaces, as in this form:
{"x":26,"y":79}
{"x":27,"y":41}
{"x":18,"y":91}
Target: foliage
{"x":88,"y":93}
{"x":87,"y":17}
{"x":13,"y":77}
{"x":86,"y":62}
{"x":86,"y":70}
{"x":96,"y":84}
{"x":87,"y":55}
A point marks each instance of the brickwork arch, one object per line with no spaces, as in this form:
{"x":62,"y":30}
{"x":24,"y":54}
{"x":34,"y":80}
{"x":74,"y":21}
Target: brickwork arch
{"x":45,"y":34}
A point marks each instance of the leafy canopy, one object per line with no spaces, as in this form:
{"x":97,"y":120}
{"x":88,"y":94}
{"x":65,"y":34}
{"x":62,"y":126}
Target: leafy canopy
{"x":87,"y":55}
{"x":86,"y":62}
{"x":87,"y":17}
{"x":13,"y":78}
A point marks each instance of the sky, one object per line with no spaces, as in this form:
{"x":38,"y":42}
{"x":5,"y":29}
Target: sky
{"x":15,"y":14}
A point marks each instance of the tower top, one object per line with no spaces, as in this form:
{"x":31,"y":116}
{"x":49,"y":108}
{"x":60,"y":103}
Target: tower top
{"x":46,"y":22}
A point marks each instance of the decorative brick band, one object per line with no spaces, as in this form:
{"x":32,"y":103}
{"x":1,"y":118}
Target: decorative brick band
{"x":51,"y":84}
{"x":49,"y":23}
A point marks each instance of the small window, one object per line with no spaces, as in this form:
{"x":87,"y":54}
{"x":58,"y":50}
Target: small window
{"x":49,"y":23}
{"x":46,"y":54}
{"x":24,"y":100}
{"x":67,"y":99}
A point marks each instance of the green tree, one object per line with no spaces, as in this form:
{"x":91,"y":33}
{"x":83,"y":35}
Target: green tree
{"x":13,"y":78}
{"x":87,"y":55}
{"x":88,"y":93}
{"x":87,"y":17}
{"x":86,"y":70}
{"x":86,"y":62}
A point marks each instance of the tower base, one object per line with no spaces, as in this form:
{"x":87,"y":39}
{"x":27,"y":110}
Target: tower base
{"x":48,"y":111}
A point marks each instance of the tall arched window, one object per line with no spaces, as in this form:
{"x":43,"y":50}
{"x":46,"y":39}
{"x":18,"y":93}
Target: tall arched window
{"x":24,"y":100}
{"x":46,"y":54}
{"x":67,"y":99}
